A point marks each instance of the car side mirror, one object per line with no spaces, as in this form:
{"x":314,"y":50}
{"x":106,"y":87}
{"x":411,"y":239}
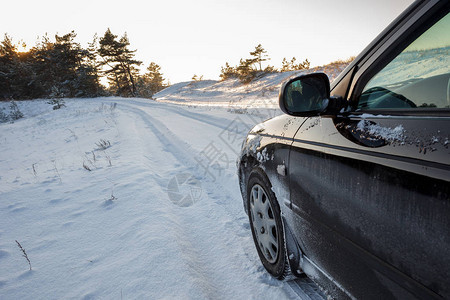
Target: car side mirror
{"x":309,"y":95}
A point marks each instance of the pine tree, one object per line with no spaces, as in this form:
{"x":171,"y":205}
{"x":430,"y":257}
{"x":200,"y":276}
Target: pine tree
{"x":151,"y":82}
{"x":9,"y":64}
{"x":56,"y":100}
{"x":108,"y":51}
{"x":8,"y":58}
{"x":245,"y":71}
{"x":197,"y":78}
{"x":17,"y":79}
{"x":15,"y":113}
{"x":293,"y":66}
{"x":228,"y":72}
{"x":67,"y":59}
{"x":119,"y":60}
{"x":88,"y":73}
{"x":155,"y":76}
{"x":3,"y":117}
{"x":306,"y":64}
{"x":259,"y":56}
{"x":285,"y":65}
{"x":128,"y":63}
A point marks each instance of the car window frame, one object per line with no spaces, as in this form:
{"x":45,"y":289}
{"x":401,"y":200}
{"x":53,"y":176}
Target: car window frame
{"x":419,"y":21}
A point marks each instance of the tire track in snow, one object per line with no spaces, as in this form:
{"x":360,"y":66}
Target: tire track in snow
{"x":215,"y":121}
{"x":213,"y":276}
{"x":172,"y":144}
{"x":190,"y":264}
{"x":199,"y":251}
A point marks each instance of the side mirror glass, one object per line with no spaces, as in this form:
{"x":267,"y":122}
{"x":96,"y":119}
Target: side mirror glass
{"x":306,"y":95}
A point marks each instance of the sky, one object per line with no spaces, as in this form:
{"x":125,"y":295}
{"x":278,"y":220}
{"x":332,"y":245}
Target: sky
{"x":200,"y":36}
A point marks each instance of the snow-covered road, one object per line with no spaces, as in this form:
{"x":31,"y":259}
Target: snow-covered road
{"x":129,"y":198}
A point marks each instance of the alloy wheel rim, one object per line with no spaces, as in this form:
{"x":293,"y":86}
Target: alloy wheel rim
{"x":264,"y":225}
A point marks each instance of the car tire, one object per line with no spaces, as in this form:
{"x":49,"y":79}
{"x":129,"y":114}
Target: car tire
{"x":266,"y":225}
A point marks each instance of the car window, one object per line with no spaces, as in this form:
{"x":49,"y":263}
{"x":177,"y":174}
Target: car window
{"x":419,"y":77}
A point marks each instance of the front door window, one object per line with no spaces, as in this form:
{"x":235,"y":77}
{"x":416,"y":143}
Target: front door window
{"x":417,"y":78}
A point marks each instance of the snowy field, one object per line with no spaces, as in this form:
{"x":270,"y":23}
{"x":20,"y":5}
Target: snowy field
{"x":116,"y":198}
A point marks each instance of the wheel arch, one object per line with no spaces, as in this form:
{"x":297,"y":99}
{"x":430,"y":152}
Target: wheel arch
{"x":293,"y":250}
{"x":246,"y":165}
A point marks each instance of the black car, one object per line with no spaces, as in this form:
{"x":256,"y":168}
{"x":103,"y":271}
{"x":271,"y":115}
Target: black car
{"x":352,"y":186}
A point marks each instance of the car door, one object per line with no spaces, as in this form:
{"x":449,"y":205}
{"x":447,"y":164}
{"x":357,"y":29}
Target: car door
{"x":370,"y":189}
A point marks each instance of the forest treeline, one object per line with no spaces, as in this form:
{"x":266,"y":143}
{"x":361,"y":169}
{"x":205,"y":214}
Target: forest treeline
{"x":62,"y":68}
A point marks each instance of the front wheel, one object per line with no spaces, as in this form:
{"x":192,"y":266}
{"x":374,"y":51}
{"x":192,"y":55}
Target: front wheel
{"x":266,"y":224}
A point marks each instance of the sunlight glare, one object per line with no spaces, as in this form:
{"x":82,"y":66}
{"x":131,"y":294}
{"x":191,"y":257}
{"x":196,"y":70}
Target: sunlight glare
{"x":22,"y":47}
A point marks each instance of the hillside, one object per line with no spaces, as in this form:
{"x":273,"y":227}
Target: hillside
{"x":261,"y":92}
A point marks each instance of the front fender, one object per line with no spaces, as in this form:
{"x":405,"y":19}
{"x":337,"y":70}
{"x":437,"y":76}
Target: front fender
{"x":267,"y":147}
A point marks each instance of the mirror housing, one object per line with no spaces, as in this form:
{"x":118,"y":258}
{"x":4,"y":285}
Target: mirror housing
{"x":308,"y":96}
